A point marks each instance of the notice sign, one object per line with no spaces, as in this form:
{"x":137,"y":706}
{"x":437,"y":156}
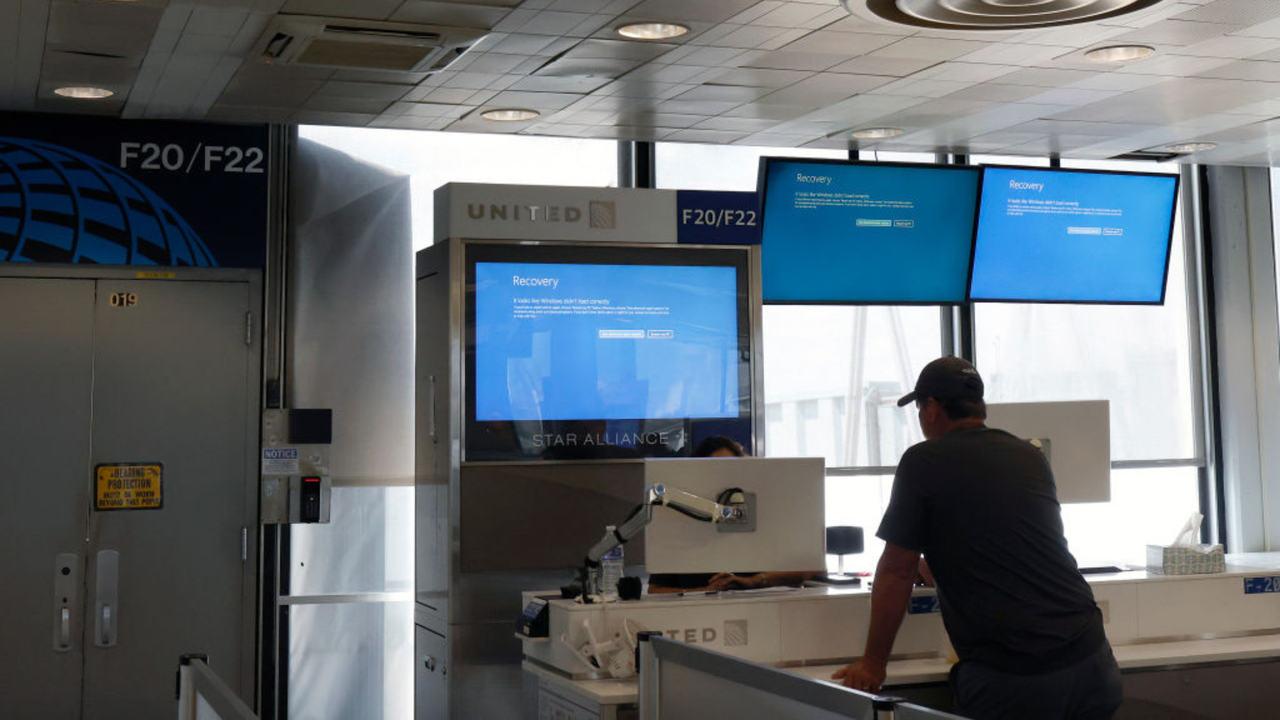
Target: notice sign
{"x":128,"y":486}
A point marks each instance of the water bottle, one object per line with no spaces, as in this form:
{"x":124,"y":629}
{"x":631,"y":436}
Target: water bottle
{"x":610,"y":570}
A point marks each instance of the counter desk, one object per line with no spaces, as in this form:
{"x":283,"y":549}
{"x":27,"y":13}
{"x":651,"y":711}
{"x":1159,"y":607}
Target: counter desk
{"x":1190,"y":645}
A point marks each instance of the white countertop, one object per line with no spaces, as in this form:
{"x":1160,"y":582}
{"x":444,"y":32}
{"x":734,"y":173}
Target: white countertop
{"x":934,"y":670}
{"x":1138,"y":654}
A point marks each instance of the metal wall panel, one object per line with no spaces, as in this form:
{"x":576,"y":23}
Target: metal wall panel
{"x":171,"y":374}
{"x":46,"y":370}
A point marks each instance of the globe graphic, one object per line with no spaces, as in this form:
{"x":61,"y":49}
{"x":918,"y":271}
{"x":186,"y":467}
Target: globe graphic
{"x":59,"y":205}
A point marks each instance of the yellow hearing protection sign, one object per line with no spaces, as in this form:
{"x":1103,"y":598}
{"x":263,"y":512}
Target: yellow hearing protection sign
{"x":129,"y":486}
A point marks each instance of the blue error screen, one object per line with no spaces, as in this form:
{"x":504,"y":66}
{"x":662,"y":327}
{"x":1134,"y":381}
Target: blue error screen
{"x":610,"y":342}
{"x":865,"y":233}
{"x":1058,"y":236}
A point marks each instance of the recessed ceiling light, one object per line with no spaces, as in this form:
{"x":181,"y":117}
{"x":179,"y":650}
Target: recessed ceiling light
{"x":83,"y":92}
{"x":1120,"y":53}
{"x":1190,"y":147}
{"x":879,"y":133}
{"x":509,"y":114}
{"x":652,"y":31}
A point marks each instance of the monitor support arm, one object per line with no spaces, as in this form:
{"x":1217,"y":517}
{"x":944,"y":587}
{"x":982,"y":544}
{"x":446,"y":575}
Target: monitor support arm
{"x":735,"y":510}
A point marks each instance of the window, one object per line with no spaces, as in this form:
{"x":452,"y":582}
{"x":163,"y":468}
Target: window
{"x":719,"y":167}
{"x":433,"y":159}
{"x":1137,"y":357}
{"x":832,"y":374}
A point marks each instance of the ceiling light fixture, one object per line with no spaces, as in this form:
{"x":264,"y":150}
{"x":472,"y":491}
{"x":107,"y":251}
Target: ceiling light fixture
{"x":83,"y":92}
{"x":1120,"y":53}
{"x":879,"y":133}
{"x":652,"y":30}
{"x":510,"y":114}
{"x":1190,"y":147}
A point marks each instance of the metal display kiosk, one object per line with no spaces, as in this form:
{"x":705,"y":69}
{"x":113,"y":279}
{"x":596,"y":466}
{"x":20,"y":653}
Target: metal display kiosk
{"x":489,"y":529}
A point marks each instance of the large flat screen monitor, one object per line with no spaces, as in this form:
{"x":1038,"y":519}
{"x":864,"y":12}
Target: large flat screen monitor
{"x":1077,"y":236}
{"x":838,"y":231}
{"x":790,"y":529}
{"x":596,"y":352}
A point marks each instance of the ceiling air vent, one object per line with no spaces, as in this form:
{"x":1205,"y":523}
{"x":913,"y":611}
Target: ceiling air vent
{"x":343,"y":43}
{"x":970,"y":15}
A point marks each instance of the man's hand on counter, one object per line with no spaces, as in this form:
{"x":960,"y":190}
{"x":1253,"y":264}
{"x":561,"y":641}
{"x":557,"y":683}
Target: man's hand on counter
{"x":861,"y":675}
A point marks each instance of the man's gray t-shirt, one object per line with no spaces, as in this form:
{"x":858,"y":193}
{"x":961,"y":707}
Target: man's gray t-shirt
{"x":980,"y":504}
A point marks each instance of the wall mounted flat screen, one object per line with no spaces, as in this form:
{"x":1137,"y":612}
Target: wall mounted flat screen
{"x":851,"y":232}
{"x":604,"y":352}
{"x":1077,"y":236}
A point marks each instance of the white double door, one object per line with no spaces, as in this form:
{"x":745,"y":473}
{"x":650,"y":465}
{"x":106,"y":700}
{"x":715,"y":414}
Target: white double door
{"x":96,"y":604}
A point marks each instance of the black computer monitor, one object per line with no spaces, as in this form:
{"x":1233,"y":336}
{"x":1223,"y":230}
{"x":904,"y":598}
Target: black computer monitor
{"x":848,"y":232}
{"x":1073,"y":236}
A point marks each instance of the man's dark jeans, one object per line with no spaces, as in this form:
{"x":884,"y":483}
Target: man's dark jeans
{"x":1088,"y":690}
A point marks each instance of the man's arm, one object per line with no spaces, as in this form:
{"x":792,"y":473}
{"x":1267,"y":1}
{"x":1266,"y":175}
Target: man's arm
{"x":895,"y":575}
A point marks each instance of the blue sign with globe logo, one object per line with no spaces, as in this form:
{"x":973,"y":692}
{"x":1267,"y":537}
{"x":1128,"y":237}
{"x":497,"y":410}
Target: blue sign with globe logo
{"x":131,"y":193}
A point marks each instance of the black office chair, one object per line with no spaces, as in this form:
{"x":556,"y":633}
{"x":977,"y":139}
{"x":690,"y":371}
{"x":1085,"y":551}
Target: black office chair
{"x":844,"y":540}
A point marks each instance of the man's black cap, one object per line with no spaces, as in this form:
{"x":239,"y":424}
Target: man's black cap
{"x":946,"y":378}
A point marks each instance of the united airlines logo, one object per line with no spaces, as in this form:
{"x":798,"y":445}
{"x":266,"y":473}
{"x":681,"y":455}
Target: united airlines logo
{"x":600,"y":214}
{"x":59,"y":205}
{"x":604,"y":214}
{"x":733,"y":633}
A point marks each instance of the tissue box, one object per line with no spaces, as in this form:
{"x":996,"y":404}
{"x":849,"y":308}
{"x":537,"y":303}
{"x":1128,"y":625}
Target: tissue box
{"x":1185,"y":559}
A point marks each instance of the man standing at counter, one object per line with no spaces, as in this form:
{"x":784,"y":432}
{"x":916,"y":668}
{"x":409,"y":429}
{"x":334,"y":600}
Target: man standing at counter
{"x":982,"y":508}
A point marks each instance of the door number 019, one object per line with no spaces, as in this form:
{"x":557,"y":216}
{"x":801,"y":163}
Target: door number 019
{"x":124,"y":299}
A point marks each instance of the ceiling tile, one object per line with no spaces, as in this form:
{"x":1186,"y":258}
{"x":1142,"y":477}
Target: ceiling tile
{"x":1175,"y":32}
{"x":928,"y":49}
{"x":912,"y":87}
{"x":550,"y":22}
{"x":1269,"y":29}
{"x":206,"y":20}
{"x":707,"y":11}
{"x":749,"y":36}
{"x":785,"y":60}
{"x":348,"y":119}
{"x":892,"y":67}
{"x":793,"y":14}
{"x":1043,"y":77}
{"x":371,"y":91}
{"x":733,"y":124}
{"x":700,"y":135}
{"x":736,"y":94}
{"x":1232,"y":47}
{"x":841,"y":44}
{"x":110,"y":29}
{"x":346,"y":104}
{"x":991,"y":92}
{"x":1242,"y":12}
{"x":365,"y":9}
{"x":582,"y":84}
{"x":760,"y":77}
{"x":1243,"y":70}
{"x":966,"y":72}
{"x":534,"y":100}
{"x":1173,"y":65}
{"x":451,"y":14}
{"x":517,"y":44}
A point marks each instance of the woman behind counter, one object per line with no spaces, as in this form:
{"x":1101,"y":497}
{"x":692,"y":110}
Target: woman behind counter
{"x":719,"y":446}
